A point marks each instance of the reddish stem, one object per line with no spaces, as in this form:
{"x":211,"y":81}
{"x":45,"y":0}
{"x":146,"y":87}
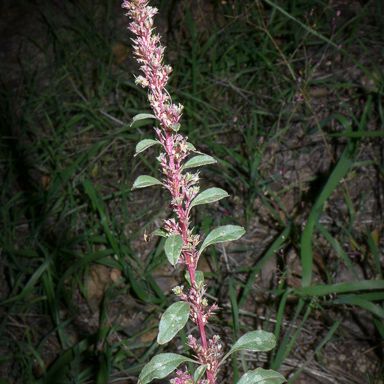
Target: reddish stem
{"x":200,"y":322}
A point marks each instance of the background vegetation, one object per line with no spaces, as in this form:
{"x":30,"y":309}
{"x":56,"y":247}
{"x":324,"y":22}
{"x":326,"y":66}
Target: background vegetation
{"x":287,"y":95}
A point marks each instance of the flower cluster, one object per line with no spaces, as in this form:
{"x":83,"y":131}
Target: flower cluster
{"x":150,"y":54}
{"x":198,"y":303}
{"x":209,"y":356}
{"x":182,"y":377}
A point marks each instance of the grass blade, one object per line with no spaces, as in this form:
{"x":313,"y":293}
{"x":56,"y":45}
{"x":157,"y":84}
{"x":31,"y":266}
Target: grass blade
{"x":354,"y":286}
{"x":339,"y":172}
{"x":275,"y":246}
{"x":308,"y":29}
{"x":362,"y":303}
{"x":236,"y":326}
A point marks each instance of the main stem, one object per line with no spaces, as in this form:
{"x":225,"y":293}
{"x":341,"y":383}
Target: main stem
{"x":184,"y":225}
{"x":200,"y":322}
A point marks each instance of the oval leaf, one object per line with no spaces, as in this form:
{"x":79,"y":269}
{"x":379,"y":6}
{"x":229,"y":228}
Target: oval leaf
{"x":209,"y":196}
{"x":199,"y":278}
{"x":145,"y":181}
{"x":159,"y":232}
{"x":255,"y":341}
{"x":145,"y":144}
{"x":176,"y":127}
{"x":198,"y":161}
{"x":191,"y":147}
{"x":262,"y":376}
{"x":199,"y":373}
{"x":161,"y":366}
{"x":172,"y":321}
{"x":142,"y":116}
{"x":222,"y":234}
{"x":172,"y":247}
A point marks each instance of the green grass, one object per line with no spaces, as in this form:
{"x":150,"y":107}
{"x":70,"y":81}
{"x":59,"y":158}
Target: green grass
{"x":247,"y":73}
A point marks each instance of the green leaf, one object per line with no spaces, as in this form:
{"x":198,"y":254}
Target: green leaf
{"x":145,"y":144}
{"x":361,"y":302}
{"x":339,"y":172}
{"x":172,"y":321}
{"x":142,"y":116}
{"x":27,"y":289}
{"x":347,"y":287}
{"x":103,"y":372}
{"x":255,"y":341}
{"x":199,"y":278}
{"x":222,"y":234}
{"x":271,"y":252}
{"x":145,"y":181}
{"x":176,"y":127}
{"x":303,"y":25}
{"x":358,"y":134}
{"x":199,"y":373}
{"x":159,"y":232}
{"x":161,"y":366}
{"x":262,"y":376}
{"x":209,"y":196}
{"x":198,"y":161}
{"x":191,"y":147}
{"x":57,"y":371}
{"x":172,"y":247}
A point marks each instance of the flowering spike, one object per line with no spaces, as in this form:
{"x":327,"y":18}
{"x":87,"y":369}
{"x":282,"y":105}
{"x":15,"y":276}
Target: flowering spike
{"x":181,"y":243}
